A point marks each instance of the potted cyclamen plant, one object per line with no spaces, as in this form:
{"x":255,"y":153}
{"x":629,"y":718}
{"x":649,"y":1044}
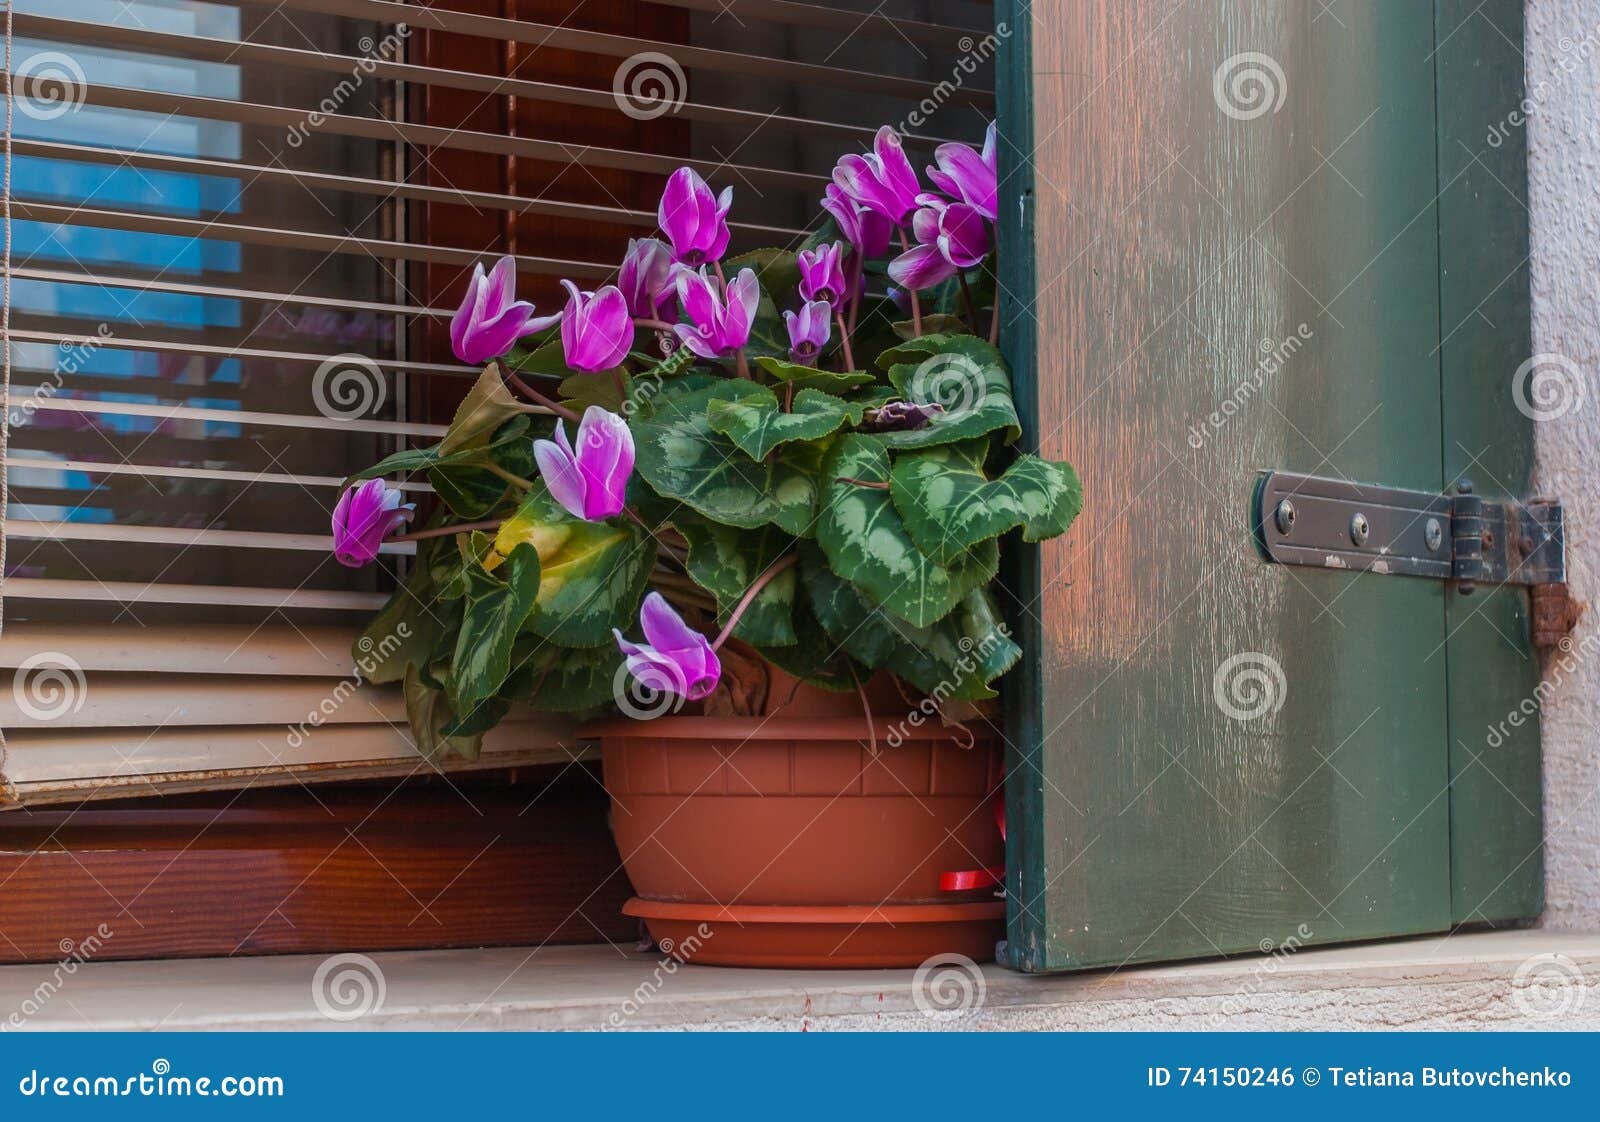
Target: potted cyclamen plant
{"x":758,"y":499}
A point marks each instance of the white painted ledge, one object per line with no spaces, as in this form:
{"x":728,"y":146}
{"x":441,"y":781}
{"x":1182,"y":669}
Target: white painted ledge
{"x":1463,"y":981}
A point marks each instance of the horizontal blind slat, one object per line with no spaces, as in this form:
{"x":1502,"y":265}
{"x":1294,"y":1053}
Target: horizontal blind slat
{"x":47,"y":530}
{"x":136,"y":700}
{"x":45,"y":401}
{"x":428,"y":136}
{"x":624,"y":46}
{"x":836,"y":19}
{"x":244,"y":52}
{"x":173,"y":471}
{"x":273,"y":651}
{"x":222,"y":595}
{"x":324,"y":181}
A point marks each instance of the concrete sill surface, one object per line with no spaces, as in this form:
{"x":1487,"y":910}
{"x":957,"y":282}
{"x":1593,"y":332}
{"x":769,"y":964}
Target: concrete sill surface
{"x":1495,"y":980}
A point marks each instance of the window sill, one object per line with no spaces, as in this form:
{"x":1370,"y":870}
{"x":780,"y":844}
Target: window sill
{"x":1463,"y":981}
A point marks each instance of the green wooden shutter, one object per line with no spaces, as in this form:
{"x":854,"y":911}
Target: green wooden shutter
{"x":1262,"y":236}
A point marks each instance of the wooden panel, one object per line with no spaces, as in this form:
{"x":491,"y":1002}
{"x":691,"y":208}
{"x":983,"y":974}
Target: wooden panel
{"x":1229,"y":754}
{"x":1496,"y":811}
{"x":349,"y":867}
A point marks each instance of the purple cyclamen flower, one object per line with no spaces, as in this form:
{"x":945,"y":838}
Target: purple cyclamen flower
{"x":822,"y":273}
{"x":968,"y":176}
{"x":365,"y":515}
{"x":951,"y":237}
{"x":809,"y":331}
{"x":720,"y":326}
{"x":865,"y":229}
{"x":695,"y":221}
{"x":646,"y":277}
{"x":591,"y":481}
{"x":491,"y":319}
{"x":596,"y":329}
{"x":882,"y":180}
{"x":674,"y":658}
{"x":900,"y":299}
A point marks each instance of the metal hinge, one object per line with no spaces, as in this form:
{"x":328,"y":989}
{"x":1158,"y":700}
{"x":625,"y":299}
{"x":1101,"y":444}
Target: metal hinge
{"x":1460,"y":537}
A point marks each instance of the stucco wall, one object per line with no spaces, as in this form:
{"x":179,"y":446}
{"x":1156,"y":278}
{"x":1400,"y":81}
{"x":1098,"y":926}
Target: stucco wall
{"x":1563,"y":67}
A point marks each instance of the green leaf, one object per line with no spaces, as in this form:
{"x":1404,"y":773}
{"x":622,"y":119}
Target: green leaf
{"x":935,"y":323}
{"x":726,"y":561}
{"x":954,"y":659}
{"x":778,"y":270}
{"x":949,"y":505}
{"x":809,"y":377}
{"x":430,"y":714}
{"x":592,"y":574}
{"x":405,"y":632}
{"x":487,"y":406}
{"x":753,"y":418}
{"x":573,"y":681}
{"x":497,"y":605}
{"x":683,"y":458}
{"x":962,"y":373}
{"x":863,"y":535}
{"x":814,"y":657}
{"x":513,"y":432}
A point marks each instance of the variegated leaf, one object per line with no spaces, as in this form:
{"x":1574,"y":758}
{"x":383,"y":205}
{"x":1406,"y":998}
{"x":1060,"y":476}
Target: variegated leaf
{"x":593,"y":574}
{"x":753,"y":418}
{"x":726,"y":561}
{"x":865,"y":538}
{"x":809,"y":377}
{"x":683,"y":458}
{"x":955,"y":658}
{"x":965,"y":376}
{"x":949,"y":505}
{"x":497,"y":605}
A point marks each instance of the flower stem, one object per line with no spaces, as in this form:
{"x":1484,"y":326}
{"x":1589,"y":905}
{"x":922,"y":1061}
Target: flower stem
{"x":861,"y":482}
{"x":994,"y":318}
{"x":538,"y":398}
{"x":744,"y":365}
{"x":445,"y":531}
{"x":916,"y":304}
{"x":858,"y":290}
{"x":750,"y":594}
{"x":844,"y":337}
{"x":515,"y":480}
{"x":972,"y":305}
{"x":655,"y":324}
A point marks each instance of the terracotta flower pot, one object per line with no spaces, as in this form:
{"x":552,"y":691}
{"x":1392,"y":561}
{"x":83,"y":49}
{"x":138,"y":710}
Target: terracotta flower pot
{"x":786,"y":842}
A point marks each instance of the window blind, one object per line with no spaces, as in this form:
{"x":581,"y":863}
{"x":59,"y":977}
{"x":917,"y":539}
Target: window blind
{"x":235,"y":234}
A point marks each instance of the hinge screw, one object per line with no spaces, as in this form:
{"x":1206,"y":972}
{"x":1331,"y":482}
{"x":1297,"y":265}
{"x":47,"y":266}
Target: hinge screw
{"x":1359,"y":528}
{"x":1284,"y":516}
{"x":1433,"y":535}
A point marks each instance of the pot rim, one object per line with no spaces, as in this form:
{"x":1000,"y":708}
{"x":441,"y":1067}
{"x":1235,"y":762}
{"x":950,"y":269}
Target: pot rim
{"x":852,"y":914}
{"x":775,"y":728}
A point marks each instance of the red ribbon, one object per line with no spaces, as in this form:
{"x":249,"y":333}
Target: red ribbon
{"x":965,"y":880}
